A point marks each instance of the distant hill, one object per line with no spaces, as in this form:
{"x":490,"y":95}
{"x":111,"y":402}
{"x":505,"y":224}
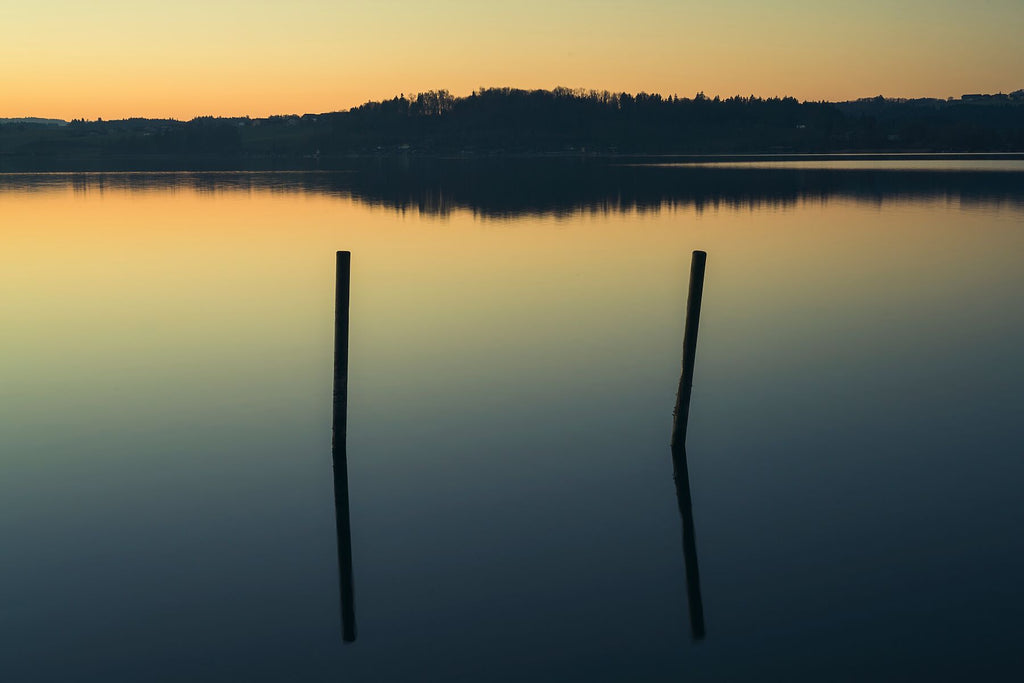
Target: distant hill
{"x":507,"y":121}
{"x":36,"y":121}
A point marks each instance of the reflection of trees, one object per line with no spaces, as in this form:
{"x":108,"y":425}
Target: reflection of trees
{"x":499,"y":188}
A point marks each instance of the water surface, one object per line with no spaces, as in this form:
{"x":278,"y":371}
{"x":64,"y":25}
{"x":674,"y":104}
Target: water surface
{"x":166,"y":500}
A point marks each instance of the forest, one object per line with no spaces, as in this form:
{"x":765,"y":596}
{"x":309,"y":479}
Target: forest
{"x":563,"y":121}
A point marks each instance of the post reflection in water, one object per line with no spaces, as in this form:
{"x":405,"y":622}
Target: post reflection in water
{"x":679,"y":424}
{"x":682,"y":482}
{"x":339,"y":453}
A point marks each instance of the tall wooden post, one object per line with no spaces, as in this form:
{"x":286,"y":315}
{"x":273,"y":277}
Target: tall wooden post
{"x":681,"y":414}
{"x":339,"y":453}
{"x":680,"y":418}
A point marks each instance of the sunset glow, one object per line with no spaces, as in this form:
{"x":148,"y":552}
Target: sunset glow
{"x":115,"y":59}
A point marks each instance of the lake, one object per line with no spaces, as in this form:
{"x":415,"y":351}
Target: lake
{"x":854,"y":451}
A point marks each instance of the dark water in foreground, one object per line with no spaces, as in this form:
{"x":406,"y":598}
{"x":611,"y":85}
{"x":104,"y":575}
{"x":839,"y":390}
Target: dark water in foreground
{"x":854,"y":446}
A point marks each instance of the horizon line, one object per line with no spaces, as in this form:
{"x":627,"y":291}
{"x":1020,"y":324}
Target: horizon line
{"x":578,"y":91}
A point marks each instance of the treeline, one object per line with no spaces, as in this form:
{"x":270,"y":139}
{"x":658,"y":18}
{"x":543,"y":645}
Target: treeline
{"x":561,"y":121}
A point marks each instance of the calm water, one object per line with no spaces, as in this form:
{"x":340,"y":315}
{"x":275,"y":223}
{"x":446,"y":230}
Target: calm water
{"x":855,"y":441}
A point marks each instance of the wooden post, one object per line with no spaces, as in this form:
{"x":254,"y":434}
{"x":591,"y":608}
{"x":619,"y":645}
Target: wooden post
{"x":343,"y":277}
{"x":681,"y":414}
{"x":680,"y":418}
{"x":339,"y":453}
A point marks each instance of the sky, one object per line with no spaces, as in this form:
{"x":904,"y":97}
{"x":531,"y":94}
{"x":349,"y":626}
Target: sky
{"x":116,"y":59}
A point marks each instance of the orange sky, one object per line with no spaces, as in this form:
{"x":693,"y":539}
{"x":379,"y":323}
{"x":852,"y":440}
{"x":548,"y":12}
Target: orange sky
{"x":115,"y":59}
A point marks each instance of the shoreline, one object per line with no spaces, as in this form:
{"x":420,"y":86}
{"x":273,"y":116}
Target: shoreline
{"x":213,"y":163}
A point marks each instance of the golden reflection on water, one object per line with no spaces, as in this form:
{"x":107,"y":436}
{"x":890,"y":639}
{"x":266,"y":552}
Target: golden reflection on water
{"x":141,"y":299}
{"x":166,"y":361}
